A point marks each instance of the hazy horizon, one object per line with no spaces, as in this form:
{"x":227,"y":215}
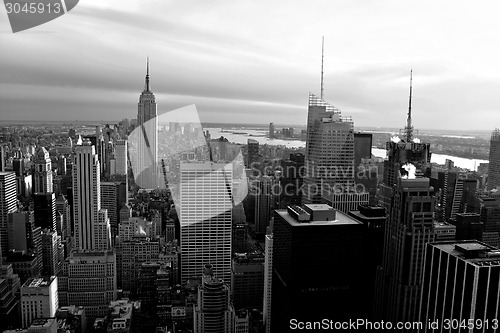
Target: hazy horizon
{"x":247,"y":60}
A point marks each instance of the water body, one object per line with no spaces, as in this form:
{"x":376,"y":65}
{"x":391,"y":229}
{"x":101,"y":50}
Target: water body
{"x":241,"y":136}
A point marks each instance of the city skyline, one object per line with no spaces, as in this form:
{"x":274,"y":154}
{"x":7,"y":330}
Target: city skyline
{"x":241,"y":62}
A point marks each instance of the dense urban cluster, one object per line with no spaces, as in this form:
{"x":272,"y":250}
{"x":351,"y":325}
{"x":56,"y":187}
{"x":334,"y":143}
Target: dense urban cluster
{"x":152,"y":225}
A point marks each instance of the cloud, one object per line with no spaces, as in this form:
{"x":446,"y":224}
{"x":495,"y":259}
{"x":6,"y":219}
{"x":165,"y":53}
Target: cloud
{"x":252,"y":61}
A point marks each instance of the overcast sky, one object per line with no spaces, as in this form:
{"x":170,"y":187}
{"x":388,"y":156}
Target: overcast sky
{"x":253,"y":61}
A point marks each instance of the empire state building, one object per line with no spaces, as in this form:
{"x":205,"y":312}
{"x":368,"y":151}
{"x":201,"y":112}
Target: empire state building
{"x":147,"y":138}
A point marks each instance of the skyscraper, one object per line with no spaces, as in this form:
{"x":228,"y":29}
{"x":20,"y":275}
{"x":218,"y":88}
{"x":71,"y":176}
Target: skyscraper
{"x":121,"y":157}
{"x":43,"y":172}
{"x":205,"y":218}
{"x":45,"y":210}
{"x":86,"y":198}
{"x":52,"y":253}
{"x":318,"y":266}
{"x":252,"y":152}
{"x":268,"y":280}
{"x":3,"y":157}
{"x":147,"y":145}
{"x":63,"y":207}
{"x":271,"y":130}
{"x":8,"y":204}
{"x":409,"y":203}
{"x":263,"y":203}
{"x":400,"y":152}
{"x":329,"y":158}
{"x":460,"y":281}
{"x":214,"y":311}
{"x":110,"y":200}
{"x":494,"y":165}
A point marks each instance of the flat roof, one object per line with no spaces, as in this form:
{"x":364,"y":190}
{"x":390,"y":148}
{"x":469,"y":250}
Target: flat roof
{"x":472,"y":251}
{"x":39,"y":282}
{"x":340,"y":219}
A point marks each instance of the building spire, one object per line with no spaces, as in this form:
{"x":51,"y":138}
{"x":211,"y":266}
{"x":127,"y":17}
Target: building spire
{"x":409,"y":126}
{"x":322,"y":57}
{"x":146,"y":88}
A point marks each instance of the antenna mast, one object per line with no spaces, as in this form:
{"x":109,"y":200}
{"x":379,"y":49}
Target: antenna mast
{"x":409,"y":126}
{"x":322,"y":57}
{"x":147,"y":76}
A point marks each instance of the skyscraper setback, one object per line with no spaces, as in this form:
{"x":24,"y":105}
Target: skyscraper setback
{"x":43,"y":172}
{"x":147,"y":143}
{"x":409,"y":203}
{"x":87,"y":200}
{"x":329,"y":158}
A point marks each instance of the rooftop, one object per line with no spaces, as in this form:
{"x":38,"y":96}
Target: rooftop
{"x":39,"y":282}
{"x":471,"y":251}
{"x":338,"y":218}
{"x":43,"y":322}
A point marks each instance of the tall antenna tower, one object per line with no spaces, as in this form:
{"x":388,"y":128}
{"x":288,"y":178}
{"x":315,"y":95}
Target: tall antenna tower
{"x":409,"y":126}
{"x":322,"y":58}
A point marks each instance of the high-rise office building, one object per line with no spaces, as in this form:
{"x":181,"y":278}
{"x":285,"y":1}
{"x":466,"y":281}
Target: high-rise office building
{"x":148,"y":285}
{"x":494,"y":161}
{"x":362,"y":147}
{"x":52,"y":253}
{"x":19,"y":226}
{"x":263,"y":203}
{"x":121,"y":157}
{"x":205,"y":217}
{"x":88,"y":279}
{"x":42,"y":182}
{"x":247,"y":280}
{"x":86,"y":198}
{"x":410,"y":208}
{"x":39,"y":299}
{"x":214,"y":311}
{"x":460,"y":281}
{"x":268,"y":281}
{"x":318,"y":260}
{"x":8,"y":204}
{"x":374,"y":219}
{"x":18,"y":166}
{"x":291,"y":180}
{"x":147,"y":139}
{"x":63,"y":207}
{"x":252,"y":152}
{"x":468,"y":226}
{"x":133,"y":252}
{"x":45,"y":210}
{"x":271,"y":130}
{"x":25,"y":237}
{"x":453,"y":187}
{"x":3,"y":157}
{"x":409,"y":201}
{"x":490,"y":217}
{"x":110,"y":200}
{"x":329,"y":158}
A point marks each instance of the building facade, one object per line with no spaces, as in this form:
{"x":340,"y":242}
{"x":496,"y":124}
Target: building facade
{"x":8,"y":204}
{"x":39,"y":299}
{"x":329,"y":158}
{"x":205,"y":217}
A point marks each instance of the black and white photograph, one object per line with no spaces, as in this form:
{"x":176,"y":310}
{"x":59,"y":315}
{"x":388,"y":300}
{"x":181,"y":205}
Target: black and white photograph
{"x":249,"y":166}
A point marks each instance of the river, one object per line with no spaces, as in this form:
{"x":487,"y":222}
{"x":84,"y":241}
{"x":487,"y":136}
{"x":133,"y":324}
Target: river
{"x":242,"y":135}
